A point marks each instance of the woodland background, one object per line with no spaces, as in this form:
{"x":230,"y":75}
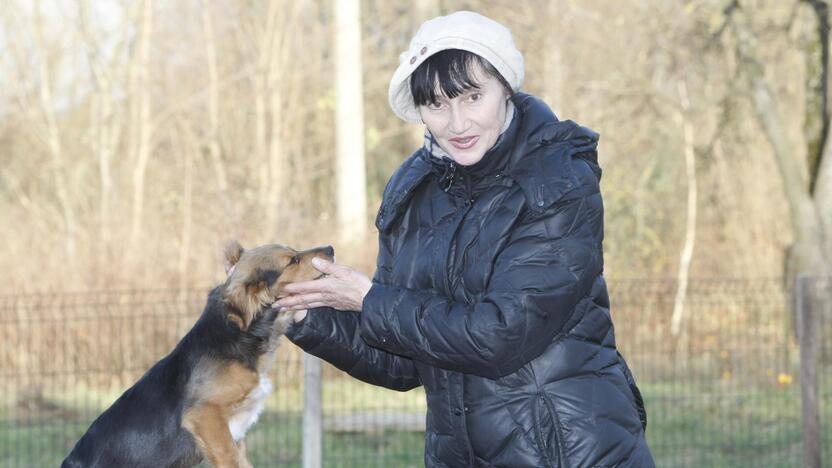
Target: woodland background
{"x":138,"y":136}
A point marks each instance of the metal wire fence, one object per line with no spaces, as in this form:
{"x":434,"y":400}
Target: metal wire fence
{"x":724,"y":391}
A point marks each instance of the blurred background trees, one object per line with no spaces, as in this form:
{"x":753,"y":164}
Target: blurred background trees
{"x":136,"y":136}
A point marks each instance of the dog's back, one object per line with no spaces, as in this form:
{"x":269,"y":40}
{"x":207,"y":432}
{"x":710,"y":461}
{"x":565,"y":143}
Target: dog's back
{"x":147,"y":418}
{"x":143,"y":427}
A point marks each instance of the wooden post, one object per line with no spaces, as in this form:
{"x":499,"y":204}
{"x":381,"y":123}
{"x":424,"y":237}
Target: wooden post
{"x":312,"y":412}
{"x":807,"y":302}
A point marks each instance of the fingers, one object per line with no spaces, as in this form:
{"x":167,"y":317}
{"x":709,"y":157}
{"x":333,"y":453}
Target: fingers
{"x":304,"y":287}
{"x":299,"y":307}
{"x":343,"y":288}
{"x":324,"y":266}
{"x":299,"y":315}
{"x":301,"y":301}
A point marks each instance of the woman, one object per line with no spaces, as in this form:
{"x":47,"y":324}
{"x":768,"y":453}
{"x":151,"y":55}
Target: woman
{"x":488,"y":289}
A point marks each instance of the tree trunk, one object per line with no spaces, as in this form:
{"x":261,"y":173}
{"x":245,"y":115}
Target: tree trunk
{"x":350,"y":175}
{"x":214,"y":106}
{"x":809,"y":256}
{"x":808,"y":299}
{"x":143,"y":124}
{"x":261,"y":106}
{"x":278,"y":34}
{"x":823,"y":194}
{"x":105,"y":121}
{"x":553,"y":64}
{"x":809,"y":253}
{"x":53,"y":137}
{"x":690,"y":224}
{"x":188,"y":149}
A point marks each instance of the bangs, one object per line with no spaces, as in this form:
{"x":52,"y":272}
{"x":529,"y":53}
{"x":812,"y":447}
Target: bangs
{"x":451,"y":72}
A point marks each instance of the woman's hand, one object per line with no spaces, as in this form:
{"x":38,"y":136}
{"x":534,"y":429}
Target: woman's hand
{"x":343,"y":288}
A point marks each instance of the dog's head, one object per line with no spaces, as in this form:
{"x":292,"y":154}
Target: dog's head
{"x":259,"y":275}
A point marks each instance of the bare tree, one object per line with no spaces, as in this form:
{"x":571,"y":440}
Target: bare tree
{"x":106,"y":116}
{"x":141,"y":122}
{"x":186,"y":142}
{"x":690,"y":224}
{"x":53,"y":133}
{"x":351,"y":196}
{"x":558,"y":14}
{"x":809,"y":254}
{"x":213,"y":137}
{"x":278,"y":46}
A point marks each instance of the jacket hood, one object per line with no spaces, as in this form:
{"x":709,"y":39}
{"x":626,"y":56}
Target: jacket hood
{"x":539,"y":162}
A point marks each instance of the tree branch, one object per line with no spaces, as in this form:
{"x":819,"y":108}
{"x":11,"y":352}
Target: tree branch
{"x":821,"y":90}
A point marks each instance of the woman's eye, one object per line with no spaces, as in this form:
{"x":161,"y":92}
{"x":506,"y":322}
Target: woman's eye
{"x":474,"y":97}
{"x":434,"y":105}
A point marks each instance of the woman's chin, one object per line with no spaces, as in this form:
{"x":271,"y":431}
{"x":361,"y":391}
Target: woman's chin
{"x":466,"y":158}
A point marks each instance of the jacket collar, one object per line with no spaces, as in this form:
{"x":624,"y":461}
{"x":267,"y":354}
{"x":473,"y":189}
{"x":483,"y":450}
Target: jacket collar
{"x":401,"y":186}
{"x":539,"y":163}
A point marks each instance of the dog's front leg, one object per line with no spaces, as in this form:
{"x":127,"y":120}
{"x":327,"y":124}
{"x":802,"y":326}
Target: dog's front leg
{"x":209,"y":425}
{"x":242,"y":456}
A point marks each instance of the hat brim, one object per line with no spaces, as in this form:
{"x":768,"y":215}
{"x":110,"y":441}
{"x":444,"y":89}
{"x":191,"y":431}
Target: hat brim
{"x":399,"y":95}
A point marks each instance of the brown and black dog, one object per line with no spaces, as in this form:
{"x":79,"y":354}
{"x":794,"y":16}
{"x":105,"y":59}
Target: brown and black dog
{"x":199,"y":401}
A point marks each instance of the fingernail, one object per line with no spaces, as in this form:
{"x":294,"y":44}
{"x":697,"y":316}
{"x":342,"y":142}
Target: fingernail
{"x":317,"y":262}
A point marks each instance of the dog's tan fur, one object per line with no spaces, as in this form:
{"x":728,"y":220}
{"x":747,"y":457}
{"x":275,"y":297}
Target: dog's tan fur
{"x":221,"y":390}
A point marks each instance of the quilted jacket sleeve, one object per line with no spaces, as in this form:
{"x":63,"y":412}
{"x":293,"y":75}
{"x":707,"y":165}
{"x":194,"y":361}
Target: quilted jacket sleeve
{"x":333,"y":336}
{"x":539,"y":278}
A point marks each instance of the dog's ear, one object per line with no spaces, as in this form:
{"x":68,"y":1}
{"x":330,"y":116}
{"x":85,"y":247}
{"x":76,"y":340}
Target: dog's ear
{"x":245,"y":307}
{"x":233,"y":252}
{"x":248,"y":298}
{"x":244,"y":296}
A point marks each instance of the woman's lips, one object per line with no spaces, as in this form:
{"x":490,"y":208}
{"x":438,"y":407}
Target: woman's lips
{"x":464,"y":143}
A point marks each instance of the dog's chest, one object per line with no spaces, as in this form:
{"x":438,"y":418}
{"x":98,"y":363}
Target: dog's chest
{"x":246,"y":413}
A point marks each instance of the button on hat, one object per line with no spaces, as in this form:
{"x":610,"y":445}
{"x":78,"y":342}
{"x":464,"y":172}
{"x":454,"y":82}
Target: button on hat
{"x":463,"y":30}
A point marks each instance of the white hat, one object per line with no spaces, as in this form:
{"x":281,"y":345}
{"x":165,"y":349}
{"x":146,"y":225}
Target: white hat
{"x":463,"y":30}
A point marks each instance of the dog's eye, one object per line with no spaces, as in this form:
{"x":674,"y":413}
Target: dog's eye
{"x":294,"y":261}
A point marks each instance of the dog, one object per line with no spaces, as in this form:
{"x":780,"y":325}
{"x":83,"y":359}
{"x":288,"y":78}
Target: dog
{"x":198,"y":402}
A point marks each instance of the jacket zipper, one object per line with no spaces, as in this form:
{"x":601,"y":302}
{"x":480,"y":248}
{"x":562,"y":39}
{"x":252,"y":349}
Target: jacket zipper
{"x":451,"y":283}
{"x":550,"y":405}
{"x":541,"y":441}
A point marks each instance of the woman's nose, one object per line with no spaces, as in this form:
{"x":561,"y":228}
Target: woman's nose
{"x":458,"y":121}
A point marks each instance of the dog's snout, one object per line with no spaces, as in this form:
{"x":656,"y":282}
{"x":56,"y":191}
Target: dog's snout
{"x":328,"y":251}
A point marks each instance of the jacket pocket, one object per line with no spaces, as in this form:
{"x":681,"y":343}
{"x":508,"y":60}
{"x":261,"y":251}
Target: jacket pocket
{"x":642,"y":412}
{"x":548,"y":431}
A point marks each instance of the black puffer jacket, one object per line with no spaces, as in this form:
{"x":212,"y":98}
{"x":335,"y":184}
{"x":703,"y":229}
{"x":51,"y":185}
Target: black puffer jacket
{"x":489,"y":292}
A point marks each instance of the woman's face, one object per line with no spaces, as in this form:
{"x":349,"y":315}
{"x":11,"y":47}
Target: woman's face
{"x":468,"y":125}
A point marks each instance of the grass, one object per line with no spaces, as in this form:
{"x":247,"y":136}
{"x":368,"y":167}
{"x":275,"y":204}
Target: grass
{"x":688,"y":427}
{"x":758,"y":428}
{"x":274,"y":441}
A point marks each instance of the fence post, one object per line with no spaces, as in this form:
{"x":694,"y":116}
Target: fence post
{"x":312,"y":412}
{"x":807,"y":303}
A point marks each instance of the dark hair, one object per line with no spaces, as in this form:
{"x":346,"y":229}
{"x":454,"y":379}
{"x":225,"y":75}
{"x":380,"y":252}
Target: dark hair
{"x":450,"y":69}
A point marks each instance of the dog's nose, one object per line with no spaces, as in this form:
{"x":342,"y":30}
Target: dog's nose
{"x":329,"y":251}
